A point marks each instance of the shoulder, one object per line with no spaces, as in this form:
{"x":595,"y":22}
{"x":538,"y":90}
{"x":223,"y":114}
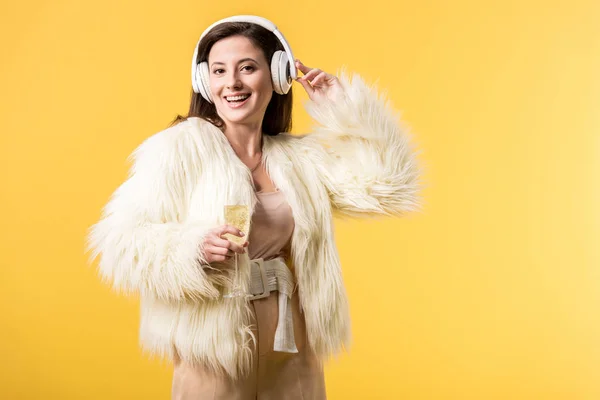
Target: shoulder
{"x":176,"y":145}
{"x":178,"y":149}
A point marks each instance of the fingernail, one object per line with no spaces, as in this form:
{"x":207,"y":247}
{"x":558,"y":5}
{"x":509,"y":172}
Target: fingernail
{"x":241,"y":233}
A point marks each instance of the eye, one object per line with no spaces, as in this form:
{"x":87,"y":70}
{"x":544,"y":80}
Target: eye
{"x":216,"y":71}
{"x":250,"y":67}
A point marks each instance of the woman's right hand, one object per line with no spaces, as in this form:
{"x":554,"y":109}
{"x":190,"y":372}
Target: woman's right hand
{"x":217,"y":249}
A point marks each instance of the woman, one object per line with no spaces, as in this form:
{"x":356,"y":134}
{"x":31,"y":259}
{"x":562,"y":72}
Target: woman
{"x":162,"y":232}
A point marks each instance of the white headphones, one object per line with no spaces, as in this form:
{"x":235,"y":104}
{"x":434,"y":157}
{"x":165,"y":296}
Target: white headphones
{"x":283,"y":67}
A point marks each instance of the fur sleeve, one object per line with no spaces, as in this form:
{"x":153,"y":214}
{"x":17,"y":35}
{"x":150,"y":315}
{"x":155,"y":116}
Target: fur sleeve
{"x":144,"y":239}
{"x":363,"y":154}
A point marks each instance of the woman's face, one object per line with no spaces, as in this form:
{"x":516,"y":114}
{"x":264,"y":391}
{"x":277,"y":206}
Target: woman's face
{"x":237,"y":68}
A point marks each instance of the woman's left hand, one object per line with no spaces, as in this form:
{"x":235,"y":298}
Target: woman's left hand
{"x":319,"y":84}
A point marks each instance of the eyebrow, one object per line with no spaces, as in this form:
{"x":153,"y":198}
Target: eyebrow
{"x":241,"y":61}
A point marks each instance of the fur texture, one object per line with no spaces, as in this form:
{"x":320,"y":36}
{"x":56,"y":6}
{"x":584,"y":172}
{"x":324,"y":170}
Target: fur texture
{"x":358,"y":162}
{"x":364,"y":154}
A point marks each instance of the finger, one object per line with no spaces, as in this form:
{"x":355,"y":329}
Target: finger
{"x":218,"y":241}
{"x":307,"y":71}
{"x":214,"y":250}
{"x":309,"y":89}
{"x":223,"y":251}
{"x":311,"y":74}
{"x":318,"y":79}
{"x":227,"y":244}
{"x":234,"y":247}
{"x":230,"y":229}
{"x":211,"y":256}
{"x":303,"y":68}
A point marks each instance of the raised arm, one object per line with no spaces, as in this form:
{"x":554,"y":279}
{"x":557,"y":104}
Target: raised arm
{"x":363,"y":153}
{"x":144,"y":239}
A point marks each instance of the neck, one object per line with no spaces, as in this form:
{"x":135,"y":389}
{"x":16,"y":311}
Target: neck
{"x":246,"y":140}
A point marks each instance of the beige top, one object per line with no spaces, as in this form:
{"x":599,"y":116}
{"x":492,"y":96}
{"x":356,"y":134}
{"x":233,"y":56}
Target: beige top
{"x":271,"y":227}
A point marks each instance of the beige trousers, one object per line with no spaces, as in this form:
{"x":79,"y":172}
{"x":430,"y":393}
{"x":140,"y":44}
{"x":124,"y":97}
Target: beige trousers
{"x":275,"y":375}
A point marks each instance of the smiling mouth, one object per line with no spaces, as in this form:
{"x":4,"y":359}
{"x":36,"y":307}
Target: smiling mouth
{"x":237,"y":101}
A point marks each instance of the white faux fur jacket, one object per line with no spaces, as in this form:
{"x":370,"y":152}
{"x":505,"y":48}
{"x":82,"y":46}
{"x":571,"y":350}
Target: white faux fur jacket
{"x":359,"y":161}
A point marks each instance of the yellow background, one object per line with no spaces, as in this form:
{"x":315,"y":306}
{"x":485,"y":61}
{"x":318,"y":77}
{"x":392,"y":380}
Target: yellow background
{"x":492,"y":292}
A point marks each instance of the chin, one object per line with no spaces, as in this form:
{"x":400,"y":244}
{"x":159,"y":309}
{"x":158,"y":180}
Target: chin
{"x":242,"y":117}
{"x":239,"y":116}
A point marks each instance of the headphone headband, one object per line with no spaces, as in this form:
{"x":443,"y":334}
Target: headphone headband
{"x":254,"y":19}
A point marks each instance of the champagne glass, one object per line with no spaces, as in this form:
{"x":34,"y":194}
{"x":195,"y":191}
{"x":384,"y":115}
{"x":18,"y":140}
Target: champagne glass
{"x":238,"y":216}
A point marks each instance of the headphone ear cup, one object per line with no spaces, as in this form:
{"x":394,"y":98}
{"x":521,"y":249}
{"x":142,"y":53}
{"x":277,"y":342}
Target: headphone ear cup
{"x":202,"y":80}
{"x":280,"y":72}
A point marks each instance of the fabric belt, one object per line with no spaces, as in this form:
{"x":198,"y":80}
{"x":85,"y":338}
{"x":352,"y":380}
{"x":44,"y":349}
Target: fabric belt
{"x":266,"y":277}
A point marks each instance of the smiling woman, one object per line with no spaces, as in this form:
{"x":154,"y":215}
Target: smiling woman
{"x":236,"y":51}
{"x":256,"y":317}
{"x":240,"y":81}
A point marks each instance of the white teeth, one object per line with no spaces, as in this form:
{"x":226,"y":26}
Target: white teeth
{"x":236,"y":98}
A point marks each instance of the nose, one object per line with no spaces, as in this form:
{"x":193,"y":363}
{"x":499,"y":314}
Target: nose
{"x":233,"y":81}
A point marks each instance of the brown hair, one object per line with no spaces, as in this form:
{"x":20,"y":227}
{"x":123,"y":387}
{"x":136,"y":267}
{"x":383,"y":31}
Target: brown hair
{"x":278,"y":116}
